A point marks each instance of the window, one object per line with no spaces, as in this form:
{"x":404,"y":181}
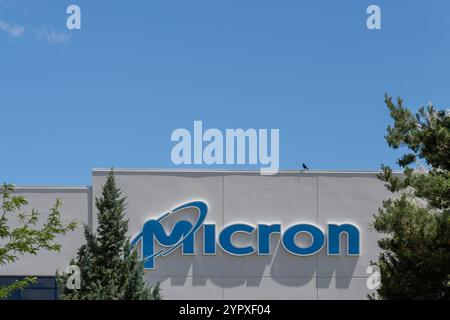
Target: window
{"x":45,"y":288}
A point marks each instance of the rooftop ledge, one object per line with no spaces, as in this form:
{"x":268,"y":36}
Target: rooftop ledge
{"x":103,"y":171}
{"x":19,"y":188}
{"x":201,"y":170}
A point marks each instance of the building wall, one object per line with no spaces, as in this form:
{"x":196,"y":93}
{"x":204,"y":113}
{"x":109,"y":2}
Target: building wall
{"x":76,"y":206}
{"x":287,"y":198}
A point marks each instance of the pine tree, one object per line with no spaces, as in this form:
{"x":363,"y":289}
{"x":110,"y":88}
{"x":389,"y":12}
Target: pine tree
{"x":135,"y":288}
{"x":109,"y":269}
{"x":415,"y":258}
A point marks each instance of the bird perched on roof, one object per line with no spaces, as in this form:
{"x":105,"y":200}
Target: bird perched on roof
{"x":304,"y":167}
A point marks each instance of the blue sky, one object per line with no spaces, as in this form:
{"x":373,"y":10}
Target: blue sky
{"x":112,"y":93}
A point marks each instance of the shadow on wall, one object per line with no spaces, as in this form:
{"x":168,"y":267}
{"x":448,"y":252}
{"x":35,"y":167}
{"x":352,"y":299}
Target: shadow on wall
{"x":227,"y":271}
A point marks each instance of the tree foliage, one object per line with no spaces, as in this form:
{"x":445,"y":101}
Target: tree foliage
{"x":415,"y":258}
{"x":109,"y":268}
{"x":27,"y":236}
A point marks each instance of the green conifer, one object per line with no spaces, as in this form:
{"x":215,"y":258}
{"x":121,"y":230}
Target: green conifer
{"x":109,"y":270}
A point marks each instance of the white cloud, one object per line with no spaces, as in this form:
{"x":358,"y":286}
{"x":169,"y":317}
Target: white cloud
{"x":51,"y":36}
{"x":12,"y":30}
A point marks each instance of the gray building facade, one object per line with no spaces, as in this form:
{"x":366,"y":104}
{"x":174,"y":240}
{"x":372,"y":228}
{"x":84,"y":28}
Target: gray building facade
{"x":287,"y":198}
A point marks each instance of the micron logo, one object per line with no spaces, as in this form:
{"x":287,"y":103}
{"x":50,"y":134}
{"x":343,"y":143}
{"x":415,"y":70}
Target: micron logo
{"x":155,"y":242}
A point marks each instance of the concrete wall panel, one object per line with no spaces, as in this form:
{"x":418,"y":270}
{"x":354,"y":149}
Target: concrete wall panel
{"x":76,"y":206}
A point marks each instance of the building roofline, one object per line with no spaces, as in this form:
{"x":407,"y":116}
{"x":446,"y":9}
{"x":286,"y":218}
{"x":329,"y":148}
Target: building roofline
{"x":51,"y":188}
{"x":215,"y":171}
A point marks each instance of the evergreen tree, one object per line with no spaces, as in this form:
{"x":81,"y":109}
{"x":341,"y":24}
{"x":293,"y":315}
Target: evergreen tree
{"x":135,"y":288}
{"x":415,"y":258}
{"x":109,"y":269}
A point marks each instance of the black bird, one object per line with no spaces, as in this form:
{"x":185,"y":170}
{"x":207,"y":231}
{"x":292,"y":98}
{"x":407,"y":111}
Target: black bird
{"x":305,"y":167}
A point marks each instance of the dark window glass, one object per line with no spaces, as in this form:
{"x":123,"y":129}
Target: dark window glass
{"x":44,"y":289}
{"x":38,"y":294}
